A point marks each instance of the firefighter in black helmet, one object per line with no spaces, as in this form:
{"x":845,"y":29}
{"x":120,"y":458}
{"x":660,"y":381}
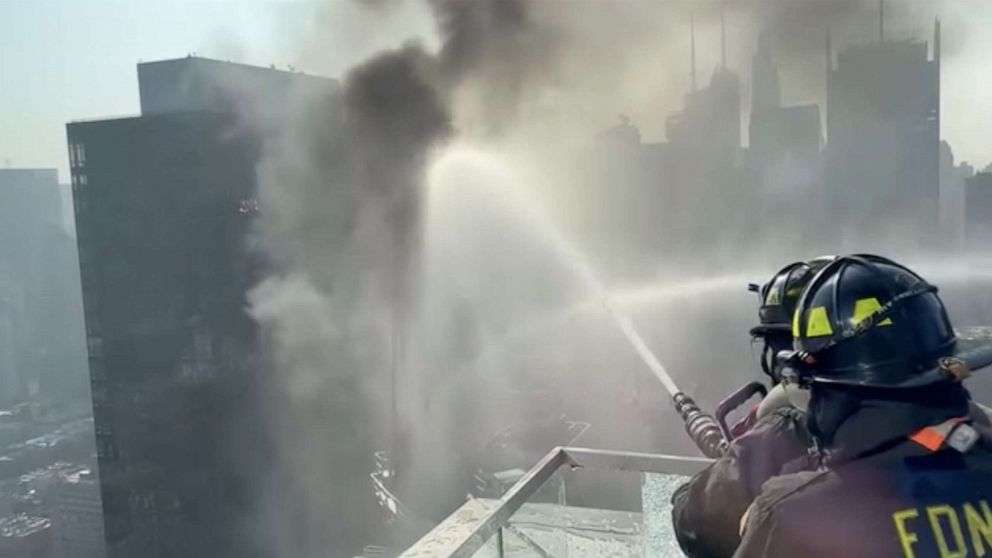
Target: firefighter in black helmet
{"x":707,"y":510}
{"x":779,"y":297}
{"x":902,"y":469}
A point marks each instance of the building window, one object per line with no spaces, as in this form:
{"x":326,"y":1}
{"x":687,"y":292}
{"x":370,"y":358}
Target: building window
{"x":105,"y":447}
{"x":80,"y":203}
{"x":89,"y":304}
{"x":94,"y":343}
{"x":97,"y":375}
{"x":77,"y":155}
{"x":102,"y":427}
{"x":99,"y":395}
{"x":248,"y":205}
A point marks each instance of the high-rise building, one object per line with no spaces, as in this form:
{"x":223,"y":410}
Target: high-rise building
{"x":710,"y":122}
{"x":783,"y":155}
{"x":77,"y":516}
{"x":40,"y":315}
{"x":953,"y":175}
{"x":703,"y":149}
{"x":978,"y":214}
{"x":776,"y":132}
{"x":883,"y":136}
{"x":163,"y":204}
{"x":766,"y":94}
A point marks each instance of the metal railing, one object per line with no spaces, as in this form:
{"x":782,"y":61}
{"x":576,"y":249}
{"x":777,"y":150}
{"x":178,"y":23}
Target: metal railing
{"x":470,"y":528}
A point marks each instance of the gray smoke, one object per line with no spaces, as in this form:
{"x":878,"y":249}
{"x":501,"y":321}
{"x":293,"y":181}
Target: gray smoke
{"x":410,"y":308}
{"x":341,"y":224}
{"x":343,"y":196}
{"x":498,"y":50}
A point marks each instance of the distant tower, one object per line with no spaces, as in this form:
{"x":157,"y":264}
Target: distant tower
{"x":766,"y":93}
{"x":936,"y":41}
{"x":936,"y":64}
{"x":881,"y":21}
{"x":828,"y":69}
{"x":883,"y":149}
{"x":723,"y":40}
{"x":828,"y":51}
{"x":692,"y":49}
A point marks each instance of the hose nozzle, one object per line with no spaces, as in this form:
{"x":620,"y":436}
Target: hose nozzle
{"x":702,"y":427}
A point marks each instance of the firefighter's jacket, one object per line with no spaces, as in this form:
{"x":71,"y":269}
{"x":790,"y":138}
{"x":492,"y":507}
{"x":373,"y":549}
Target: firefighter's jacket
{"x":707,"y":510}
{"x":911,"y":497}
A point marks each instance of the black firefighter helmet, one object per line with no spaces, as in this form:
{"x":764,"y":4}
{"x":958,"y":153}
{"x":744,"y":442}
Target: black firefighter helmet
{"x":779,"y":297}
{"x":867,"y":321}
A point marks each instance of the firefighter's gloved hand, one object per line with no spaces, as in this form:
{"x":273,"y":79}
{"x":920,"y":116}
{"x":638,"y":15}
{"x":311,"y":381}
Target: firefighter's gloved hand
{"x":783,"y":395}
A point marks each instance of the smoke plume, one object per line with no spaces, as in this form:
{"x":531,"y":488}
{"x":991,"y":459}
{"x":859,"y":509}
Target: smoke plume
{"x":409,"y":308}
{"x":341,"y":192}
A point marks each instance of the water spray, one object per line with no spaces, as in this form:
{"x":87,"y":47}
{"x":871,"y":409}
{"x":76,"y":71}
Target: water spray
{"x":702,"y":428}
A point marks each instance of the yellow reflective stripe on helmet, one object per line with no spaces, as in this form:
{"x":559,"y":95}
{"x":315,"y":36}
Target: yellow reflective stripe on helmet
{"x":772,"y":299}
{"x":866,"y":307}
{"x":795,"y":323}
{"x":818,"y":323}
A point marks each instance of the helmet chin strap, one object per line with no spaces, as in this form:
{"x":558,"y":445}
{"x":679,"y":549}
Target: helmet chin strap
{"x":768,"y":361}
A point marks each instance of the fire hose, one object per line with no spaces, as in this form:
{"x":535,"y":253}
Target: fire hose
{"x":701,"y":426}
{"x":711,"y":434}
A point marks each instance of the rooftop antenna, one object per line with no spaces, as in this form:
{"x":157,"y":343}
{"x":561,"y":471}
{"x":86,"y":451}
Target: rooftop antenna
{"x":881,"y":21}
{"x":723,"y":40}
{"x":936,"y":61}
{"x":692,"y":48}
{"x":829,"y":68}
{"x":828,"y":51}
{"x":936,"y":41}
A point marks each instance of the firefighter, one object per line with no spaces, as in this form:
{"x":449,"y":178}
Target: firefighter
{"x":778,"y":302}
{"x":902,"y":469}
{"x":707,"y":510}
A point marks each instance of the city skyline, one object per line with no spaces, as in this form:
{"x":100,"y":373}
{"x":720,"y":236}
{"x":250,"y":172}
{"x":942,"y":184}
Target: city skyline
{"x":311,"y":315}
{"x":98,"y":45}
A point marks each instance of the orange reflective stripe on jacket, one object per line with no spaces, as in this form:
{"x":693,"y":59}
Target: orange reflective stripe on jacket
{"x":933,"y":437}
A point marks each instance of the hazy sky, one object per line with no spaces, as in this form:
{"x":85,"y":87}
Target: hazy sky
{"x":62,"y":60}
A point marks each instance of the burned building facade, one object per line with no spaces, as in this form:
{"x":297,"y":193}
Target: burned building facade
{"x":163,"y":204}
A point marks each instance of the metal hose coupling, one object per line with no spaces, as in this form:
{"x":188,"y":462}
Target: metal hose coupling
{"x":701,"y":426}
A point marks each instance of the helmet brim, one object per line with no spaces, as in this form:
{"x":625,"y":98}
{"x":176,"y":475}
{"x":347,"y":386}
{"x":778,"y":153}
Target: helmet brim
{"x":764,"y":329}
{"x":975,"y":353}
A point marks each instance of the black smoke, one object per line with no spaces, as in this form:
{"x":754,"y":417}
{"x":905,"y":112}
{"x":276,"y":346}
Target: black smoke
{"x":343,"y":213}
